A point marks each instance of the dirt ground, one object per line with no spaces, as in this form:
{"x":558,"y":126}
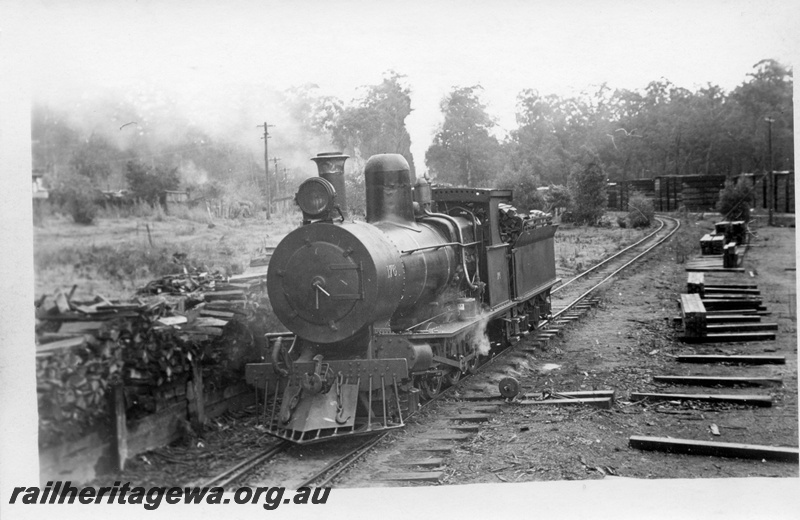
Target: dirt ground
{"x":620,"y":345}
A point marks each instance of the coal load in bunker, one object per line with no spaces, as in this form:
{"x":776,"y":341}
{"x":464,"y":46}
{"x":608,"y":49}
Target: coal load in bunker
{"x":385,"y":313}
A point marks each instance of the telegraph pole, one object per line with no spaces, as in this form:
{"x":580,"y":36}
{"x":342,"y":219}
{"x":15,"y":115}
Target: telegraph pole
{"x":266,"y":136}
{"x":770,"y":177}
{"x":277,"y":182}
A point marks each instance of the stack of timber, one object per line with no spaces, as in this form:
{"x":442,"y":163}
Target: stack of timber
{"x":733,"y":231}
{"x":694,"y":192}
{"x":717,"y":263}
{"x":712,"y":244}
{"x":156,"y":347}
{"x":731,"y":312}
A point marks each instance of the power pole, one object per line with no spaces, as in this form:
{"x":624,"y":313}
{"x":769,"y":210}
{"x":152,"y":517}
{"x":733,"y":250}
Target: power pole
{"x":284,"y":180}
{"x":277,"y":182}
{"x":770,"y":177}
{"x":266,"y":137}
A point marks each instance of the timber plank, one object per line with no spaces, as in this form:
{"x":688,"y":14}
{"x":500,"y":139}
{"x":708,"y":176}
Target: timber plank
{"x":756,"y":400}
{"x":53,"y":346}
{"x":435,"y":449}
{"x":732,"y":286}
{"x":224,"y":295}
{"x":473,"y":417}
{"x":434,"y":462}
{"x":713,"y":319}
{"x":77,"y":327}
{"x":466,"y":428}
{"x":693,"y":312}
{"x":717,"y":449}
{"x":732,"y":291}
{"x":730,"y":337}
{"x":695,"y":284}
{"x":416,"y":476}
{"x":597,"y":402}
{"x":717,"y":380}
{"x":216,"y":314}
{"x":744,"y":360}
{"x":740,"y":327}
{"x":447,"y":436}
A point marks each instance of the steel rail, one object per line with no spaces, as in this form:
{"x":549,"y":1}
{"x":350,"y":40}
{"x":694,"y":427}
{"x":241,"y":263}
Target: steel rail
{"x":624,"y":266}
{"x":612,"y":257}
{"x":235,"y":472}
{"x":353,"y":455}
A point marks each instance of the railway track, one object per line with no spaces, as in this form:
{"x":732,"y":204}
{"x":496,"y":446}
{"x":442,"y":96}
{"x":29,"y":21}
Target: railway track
{"x":320,"y":464}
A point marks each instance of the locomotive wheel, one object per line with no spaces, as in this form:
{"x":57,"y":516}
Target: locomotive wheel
{"x":453,"y":376}
{"x":431,"y":385}
{"x":473,"y":364}
{"x":509,"y":387}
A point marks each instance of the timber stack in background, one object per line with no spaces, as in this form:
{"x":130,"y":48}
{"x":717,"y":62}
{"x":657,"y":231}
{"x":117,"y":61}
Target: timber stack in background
{"x":118,"y":378}
{"x":701,"y":192}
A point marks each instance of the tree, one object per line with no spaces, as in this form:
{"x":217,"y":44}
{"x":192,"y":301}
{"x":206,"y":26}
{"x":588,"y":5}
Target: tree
{"x":93,"y":158}
{"x":149,"y":184}
{"x":463,"y":152}
{"x":376,"y":123}
{"x":588,"y":188}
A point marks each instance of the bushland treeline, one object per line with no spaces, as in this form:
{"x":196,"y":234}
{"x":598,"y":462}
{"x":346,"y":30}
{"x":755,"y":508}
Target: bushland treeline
{"x":661,"y":129}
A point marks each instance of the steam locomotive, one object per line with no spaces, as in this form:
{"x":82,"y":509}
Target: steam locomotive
{"x":384,"y":313}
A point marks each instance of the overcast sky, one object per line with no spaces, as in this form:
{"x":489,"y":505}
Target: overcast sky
{"x":204,"y":51}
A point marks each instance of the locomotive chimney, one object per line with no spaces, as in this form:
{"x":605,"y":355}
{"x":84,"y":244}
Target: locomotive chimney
{"x":330,"y":166}
{"x":388,"y":182}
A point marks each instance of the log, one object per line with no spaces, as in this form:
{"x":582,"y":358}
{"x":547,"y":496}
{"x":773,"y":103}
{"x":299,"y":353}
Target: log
{"x":716,"y":449}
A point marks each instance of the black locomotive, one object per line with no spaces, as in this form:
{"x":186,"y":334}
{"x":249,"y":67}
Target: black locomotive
{"x":383,"y":313}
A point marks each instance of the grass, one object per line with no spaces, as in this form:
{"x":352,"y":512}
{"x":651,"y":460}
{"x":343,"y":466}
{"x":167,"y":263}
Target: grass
{"x":577,"y":248}
{"x":118,"y":254}
{"x":115,"y":256}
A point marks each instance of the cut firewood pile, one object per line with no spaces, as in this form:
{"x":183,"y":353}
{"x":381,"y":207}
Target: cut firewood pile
{"x":149,"y":344}
{"x":514,"y":222}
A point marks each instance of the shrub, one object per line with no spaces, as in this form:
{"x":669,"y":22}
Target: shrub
{"x":558,"y":197}
{"x":735,"y":200}
{"x":76,"y":195}
{"x":640,"y":211}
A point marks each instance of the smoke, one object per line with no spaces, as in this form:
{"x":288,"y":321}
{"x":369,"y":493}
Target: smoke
{"x":480,"y":340}
{"x":191,"y":174}
{"x":163,"y":128}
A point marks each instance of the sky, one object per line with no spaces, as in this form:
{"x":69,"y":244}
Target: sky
{"x":205,"y":53}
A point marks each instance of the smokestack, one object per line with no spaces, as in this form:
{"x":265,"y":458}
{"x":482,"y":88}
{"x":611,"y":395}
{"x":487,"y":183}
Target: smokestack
{"x":330,"y":166}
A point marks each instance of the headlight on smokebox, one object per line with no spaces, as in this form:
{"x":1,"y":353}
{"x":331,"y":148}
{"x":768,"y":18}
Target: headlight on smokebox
{"x":316,"y":196}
